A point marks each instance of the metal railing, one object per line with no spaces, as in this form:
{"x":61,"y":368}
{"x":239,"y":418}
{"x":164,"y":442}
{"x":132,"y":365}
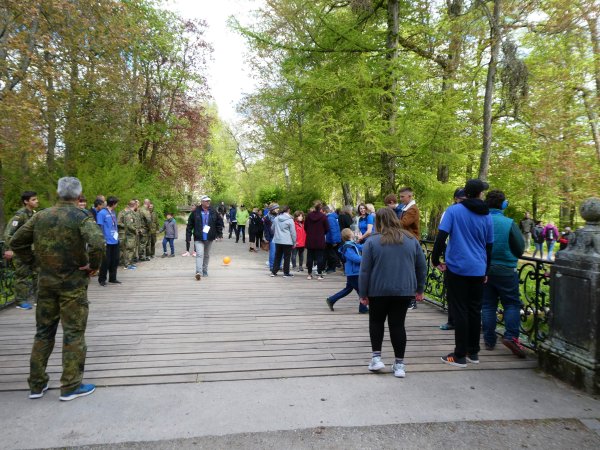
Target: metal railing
{"x":534,"y":284}
{"x":7,"y":276}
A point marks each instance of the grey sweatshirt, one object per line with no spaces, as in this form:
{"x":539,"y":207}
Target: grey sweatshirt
{"x":392,"y":270}
{"x":284,"y":230}
{"x":170,"y":229}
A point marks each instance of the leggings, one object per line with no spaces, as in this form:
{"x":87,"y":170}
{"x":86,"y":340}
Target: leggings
{"x":298,"y":251}
{"x":394,"y":309}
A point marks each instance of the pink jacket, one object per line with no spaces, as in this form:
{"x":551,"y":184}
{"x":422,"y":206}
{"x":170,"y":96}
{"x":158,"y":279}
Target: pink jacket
{"x":550,"y":236}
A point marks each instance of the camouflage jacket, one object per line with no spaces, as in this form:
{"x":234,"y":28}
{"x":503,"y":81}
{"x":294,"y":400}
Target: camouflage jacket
{"x":137,"y":220}
{"x":145,"y":219}
{"x":65,"y":238}
{"x":19,"y":219}
{"x":126,"y":223}
{"x":154,"y":224}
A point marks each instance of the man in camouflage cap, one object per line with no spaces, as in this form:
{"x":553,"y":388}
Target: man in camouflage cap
{"x":128,"y":235}
{"x":25,"y":278}
{"x":145,"y":222}
{"x":154,"y":227}
{"x":68,"y":250}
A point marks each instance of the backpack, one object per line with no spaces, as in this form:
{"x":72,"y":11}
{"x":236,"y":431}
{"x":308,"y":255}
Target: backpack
{"x":537,"y":235}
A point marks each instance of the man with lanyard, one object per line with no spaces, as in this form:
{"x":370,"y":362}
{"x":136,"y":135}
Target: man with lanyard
{"x":206,"y":225}
{"x":107,"y":220}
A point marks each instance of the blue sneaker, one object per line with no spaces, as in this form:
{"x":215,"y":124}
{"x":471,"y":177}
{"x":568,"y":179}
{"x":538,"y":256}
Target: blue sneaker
{"x":131,"y":267}
{"x":81,"y":391}
{"x":204,"y":273}
{"x":34,"y":394}
{"x":24,"y":306}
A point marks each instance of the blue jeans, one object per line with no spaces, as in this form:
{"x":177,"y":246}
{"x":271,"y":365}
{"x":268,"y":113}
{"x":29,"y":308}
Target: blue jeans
{"x":505,"y":289}
{"x":171,"y":244}
{"x":272,"y":248}
{"x":351,"y":284}
{"x":550,"y":245}
{"x":539,"y":247}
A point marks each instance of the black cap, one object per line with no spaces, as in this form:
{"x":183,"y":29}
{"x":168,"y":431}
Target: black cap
{"x":475,"y":187}
{"x":460,"y":193}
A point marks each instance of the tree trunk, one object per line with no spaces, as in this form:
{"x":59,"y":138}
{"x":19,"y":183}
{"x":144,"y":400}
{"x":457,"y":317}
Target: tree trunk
{"x":347,"y":194}
{"x":51,"y":117}
{"x":496,"y":41}
{"x":534,"y":205}
{"x":70,"y":126}
{"x":593,"y":120}
{"x":388,"y":160}
{"x":2,"y":216}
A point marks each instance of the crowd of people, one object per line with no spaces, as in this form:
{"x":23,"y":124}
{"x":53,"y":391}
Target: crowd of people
{"x":56,"y":250}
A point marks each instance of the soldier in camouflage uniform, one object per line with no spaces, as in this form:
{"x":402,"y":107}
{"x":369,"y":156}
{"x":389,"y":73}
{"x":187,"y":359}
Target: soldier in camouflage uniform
{"x":68,"y":249}
{"x":137,"y":221}
{"x":25,"y":277}
{"x":154,"y":226}
{"x":145,"y":222}
{"x":127,"y":235}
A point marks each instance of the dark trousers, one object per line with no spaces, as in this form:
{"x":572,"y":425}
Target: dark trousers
{"x":333,"y":259}
{"x":109,"y":263}
{"x":464,"y":298}
{"x":285,"y":251}
{"x":241,"y":229}
{"x":232,"y":227}
{"x":318,"y":255}
{"x":394,"y":309}
{"x":298,"y":253}
{"x":256,"y":239}
{"x":450,"y":315}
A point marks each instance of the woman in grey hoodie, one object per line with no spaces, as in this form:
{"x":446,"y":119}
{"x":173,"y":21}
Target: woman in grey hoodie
{"x":392,"y":273}
{"x":284,"y":237}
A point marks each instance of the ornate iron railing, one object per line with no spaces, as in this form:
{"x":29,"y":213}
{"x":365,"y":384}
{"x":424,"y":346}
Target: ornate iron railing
{"x":534,"y":280}
{"x":7,"y":273}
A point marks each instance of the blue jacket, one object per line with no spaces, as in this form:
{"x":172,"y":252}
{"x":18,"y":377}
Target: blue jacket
{"x":232,"y":215}
{"x":351,"y":252}
{"x":334,"y":235}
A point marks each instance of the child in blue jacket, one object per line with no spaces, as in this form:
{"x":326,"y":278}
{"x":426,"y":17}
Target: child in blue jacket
{"x":351,"y":255}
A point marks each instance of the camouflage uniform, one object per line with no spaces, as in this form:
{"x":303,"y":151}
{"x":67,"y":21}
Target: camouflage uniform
{"x":154,"y":226}
{"x":60,"y":236}
{"x":127,"y":235}
{"x":145,"y":221}
{"x":25,"y":276}
{"x":138,"y":225}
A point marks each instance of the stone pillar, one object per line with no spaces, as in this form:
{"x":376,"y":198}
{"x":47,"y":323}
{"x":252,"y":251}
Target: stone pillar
{"x":572,"y":350}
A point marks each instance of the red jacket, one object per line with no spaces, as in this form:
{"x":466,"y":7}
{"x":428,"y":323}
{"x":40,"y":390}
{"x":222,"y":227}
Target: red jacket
{"x":300,"y":234}
{"x":316,"y":226}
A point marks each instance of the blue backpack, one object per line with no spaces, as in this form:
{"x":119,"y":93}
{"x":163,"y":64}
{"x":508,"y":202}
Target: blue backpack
{"x":342,"y":250}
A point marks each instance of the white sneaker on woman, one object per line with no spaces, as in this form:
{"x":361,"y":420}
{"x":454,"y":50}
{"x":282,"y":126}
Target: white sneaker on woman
{"x":399,"y":370}
{"x":376,"y":364}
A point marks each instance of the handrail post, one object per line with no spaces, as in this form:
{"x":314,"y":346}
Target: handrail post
{"x":572,"y":350}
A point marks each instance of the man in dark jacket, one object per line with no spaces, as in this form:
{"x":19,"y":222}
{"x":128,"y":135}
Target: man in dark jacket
{"x":467,"y":260}
{"x":316,"y":227}
{"x":206,"y":224}
{"x":333,"y":240}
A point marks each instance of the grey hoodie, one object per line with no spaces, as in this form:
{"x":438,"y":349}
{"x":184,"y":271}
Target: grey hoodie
{"x":170,"y":229}
{"x":284,"y":230}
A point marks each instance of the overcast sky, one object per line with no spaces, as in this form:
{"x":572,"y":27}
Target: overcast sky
{"x":228,"y":79}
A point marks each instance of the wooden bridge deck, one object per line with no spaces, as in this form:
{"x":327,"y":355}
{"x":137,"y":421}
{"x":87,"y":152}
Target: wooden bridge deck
{"x":163,"y":326}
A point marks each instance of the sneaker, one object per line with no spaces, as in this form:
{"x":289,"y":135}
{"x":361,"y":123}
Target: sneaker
{"x":24,"y":306}
{"x":273,"y":274}
{"x":329,"y":303}
{"x":454,"y":361}
{"x":320,"y":277}
{"x":473,"y":359}
{"x":446,"y":327}
{"x":514,"y":346}
{"x":490,"y":347}
{"x":198,"y":276}
{"x":288,"y":275}
{"x":172,"y":256}
{"x":301,"y":269}
{"x":164,"y":255}
{"x":81,"y":391}
{"x":413,"y":304}
{"x":399,"y":370}
{"x":131,"y":267}
{"x":194,"y":254}
{"x":376,"y":364}
{"x":115,"y":282}
{"x":185,"y":254}
{"x":309,"y":277}
{"x":204,"y":273}
{"x":33,"y":395}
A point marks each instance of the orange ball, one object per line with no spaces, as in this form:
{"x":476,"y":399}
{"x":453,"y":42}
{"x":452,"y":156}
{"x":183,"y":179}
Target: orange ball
{"x":226,"y":260}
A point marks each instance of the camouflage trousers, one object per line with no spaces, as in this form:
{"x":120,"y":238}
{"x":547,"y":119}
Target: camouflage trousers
{"x":144,"y":238}
{"x":71,"y":308}
{"x":128,"y":249}
{"x":151,"y":247}
{"x":25,"y":283}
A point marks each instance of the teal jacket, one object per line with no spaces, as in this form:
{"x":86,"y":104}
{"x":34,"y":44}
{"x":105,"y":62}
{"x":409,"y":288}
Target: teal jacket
{"x":508,"y":244}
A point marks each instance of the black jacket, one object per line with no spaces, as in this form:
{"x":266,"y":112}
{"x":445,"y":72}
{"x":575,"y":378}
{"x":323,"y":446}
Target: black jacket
{"x":194,"y":225}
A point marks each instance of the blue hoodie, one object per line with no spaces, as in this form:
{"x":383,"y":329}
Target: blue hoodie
{"x":334,"y":235}
{"x":351,"y":252}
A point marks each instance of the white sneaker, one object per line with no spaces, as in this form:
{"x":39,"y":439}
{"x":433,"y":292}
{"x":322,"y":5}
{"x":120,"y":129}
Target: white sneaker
{"x":185,"y":254}
{"x":376,"y":364}
{"x":194,"y":254}
{"x":399,"y":370}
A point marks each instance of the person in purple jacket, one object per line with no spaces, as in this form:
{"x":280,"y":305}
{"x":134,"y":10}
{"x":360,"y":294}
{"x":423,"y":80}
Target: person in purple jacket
{"x":316,"y":227}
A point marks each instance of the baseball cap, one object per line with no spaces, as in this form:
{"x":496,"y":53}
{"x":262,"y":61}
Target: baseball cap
{"x":475,"y":187}
{"x":205,"y":198}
